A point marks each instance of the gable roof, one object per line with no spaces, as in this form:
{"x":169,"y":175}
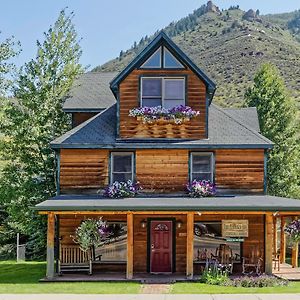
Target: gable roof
{"x":91,"y":92}
{"x":162,"y":39}
{"x":224,"y":131}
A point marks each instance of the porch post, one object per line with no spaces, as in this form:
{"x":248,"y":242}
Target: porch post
{"x":129,"y":266}
{"x":268,"y":243}
{"x":282,"y":240}
{"x":190,"y":245}
{"x":295,"y":253}
{"x":275,"y":239}
{"x":50,"y":245}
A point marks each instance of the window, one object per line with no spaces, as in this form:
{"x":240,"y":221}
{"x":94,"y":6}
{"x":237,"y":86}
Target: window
{"x":162,"y":58}
{"x":166,"y":92}
{"x":201,"y":166}
{"x":115,"y":248}
{"x":121,"y":166}
{"x":208,"y":241}
{"x":170,"y":61}
{"x":154,"y":61}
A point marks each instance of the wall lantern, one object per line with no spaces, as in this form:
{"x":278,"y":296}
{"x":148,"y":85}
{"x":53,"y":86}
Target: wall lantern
{"x":179,"y":224}
{"x":143,"y":223}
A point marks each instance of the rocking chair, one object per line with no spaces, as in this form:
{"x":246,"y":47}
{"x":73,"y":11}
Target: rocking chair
{"x":224,"y":257}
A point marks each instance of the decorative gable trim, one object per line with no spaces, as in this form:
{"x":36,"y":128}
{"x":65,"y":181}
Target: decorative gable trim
{"x":159,"y":40}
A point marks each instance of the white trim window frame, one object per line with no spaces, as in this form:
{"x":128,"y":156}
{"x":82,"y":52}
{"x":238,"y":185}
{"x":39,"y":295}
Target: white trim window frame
{"x":112,"y":168}
{"x":206,"y":172}
{"x":162,"y":97}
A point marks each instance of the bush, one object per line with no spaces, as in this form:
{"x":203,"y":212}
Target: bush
{"x":215,"y":276}
{"x":260,"y":281}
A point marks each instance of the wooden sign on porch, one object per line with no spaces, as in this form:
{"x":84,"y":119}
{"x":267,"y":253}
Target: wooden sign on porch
{"x":235,"y":228}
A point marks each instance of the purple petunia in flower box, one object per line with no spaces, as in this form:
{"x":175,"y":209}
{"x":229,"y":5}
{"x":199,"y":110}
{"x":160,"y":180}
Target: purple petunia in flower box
{"x":122,"y":189}
{"x":201,"y":188}
{"x":177,"y":114}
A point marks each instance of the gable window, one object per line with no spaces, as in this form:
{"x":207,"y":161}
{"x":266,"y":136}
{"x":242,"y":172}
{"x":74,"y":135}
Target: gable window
{"x":166,"y":92}
{"x":121,"y":166}
{"x":162,"y":58}
{"x":202,"y":166}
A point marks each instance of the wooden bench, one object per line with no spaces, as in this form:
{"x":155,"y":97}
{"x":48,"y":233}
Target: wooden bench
{"x":73,"y":259}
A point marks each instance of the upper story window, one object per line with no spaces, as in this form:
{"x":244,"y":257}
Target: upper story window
{"x":162,"y":58}
{"x":121,"y":166}
{"x":167,"y":92}
{"x":202,"y":166}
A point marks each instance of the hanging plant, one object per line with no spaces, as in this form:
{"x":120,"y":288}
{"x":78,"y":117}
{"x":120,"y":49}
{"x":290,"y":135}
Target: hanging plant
{"x":293,"y":230}
{"x":91,"y":233}
{"x":201,"y":188}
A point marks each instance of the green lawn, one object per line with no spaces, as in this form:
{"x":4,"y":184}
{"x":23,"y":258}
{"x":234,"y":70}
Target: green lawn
{"x":23,"y":278}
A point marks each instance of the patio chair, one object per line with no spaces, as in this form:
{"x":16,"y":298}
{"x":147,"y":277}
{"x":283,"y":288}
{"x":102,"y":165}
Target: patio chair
{"x":224,"y":257}
{"x":251,"y":264}
{"x":73,"y":259}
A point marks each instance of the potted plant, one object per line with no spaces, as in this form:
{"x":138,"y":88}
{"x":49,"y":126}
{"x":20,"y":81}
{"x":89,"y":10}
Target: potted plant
{"x":122,"y":189}
{"x":178,"y":114}
{"x":201,"y":188}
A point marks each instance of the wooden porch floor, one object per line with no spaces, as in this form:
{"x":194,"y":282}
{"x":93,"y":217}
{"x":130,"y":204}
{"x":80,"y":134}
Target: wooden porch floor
{"x":121,"y":277}
{"x":287,"y":272}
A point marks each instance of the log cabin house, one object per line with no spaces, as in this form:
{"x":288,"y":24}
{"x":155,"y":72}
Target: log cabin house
{"x":164,"y":232}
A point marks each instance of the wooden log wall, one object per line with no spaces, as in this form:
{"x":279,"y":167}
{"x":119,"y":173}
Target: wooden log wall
{"x":163,"y":171}
{"x":129,"y":98}
{"x":83,"y":169}
{"x":240,"y":170}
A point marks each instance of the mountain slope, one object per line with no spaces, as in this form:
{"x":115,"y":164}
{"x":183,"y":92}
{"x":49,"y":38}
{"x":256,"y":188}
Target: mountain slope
{"x":230,"y":49}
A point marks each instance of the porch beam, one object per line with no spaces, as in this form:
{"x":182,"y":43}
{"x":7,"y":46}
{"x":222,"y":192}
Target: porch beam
{"x":190,"y":246}
{"x":295,"y":252}
{"x":268,"y":243}
{"x":129,"y":266}
{"x":282,"y":240}
{"x":50,"y":245}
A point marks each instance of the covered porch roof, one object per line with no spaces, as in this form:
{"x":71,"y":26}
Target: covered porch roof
{"x":261,"y":203}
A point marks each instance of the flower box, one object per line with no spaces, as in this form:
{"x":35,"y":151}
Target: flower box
{"x":201,"y":188}
{"x":159,"y":115}
{"x":122,"y":189}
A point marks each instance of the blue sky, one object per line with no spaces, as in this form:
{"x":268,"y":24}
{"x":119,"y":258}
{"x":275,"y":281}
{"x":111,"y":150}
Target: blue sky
{"x":108,"y":26}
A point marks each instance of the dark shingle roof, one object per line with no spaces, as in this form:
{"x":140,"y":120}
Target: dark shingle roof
{"x":91,"y":92}
{"x":224,"y":131}
{"x":167,"y":203}
{"x":247,"y":115}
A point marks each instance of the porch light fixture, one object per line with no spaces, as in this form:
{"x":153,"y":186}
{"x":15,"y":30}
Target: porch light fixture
{"x":199,"y":213}
{"x":143,"y":223}
{"x":276,"y":214}
{"x":179,"y":224}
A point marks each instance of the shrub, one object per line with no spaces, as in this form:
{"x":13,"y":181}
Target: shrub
{"x":215,"y":276}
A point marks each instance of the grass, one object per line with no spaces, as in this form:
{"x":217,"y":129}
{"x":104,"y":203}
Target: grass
{"x":23,"y":278}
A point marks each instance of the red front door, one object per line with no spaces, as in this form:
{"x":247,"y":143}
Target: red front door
{"x":161,"y":240}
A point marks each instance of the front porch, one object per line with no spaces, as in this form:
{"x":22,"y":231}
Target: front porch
{"x":187,"y":249}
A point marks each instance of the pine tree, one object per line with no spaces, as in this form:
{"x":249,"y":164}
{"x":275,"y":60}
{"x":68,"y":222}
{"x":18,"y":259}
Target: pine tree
{"x":31,"y":123}
{"x":278,"y":122}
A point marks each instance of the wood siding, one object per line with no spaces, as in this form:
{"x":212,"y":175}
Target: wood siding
{"x":83,"y":169}
{"x":78,"y":118}
{"x":163,"y":171}
{"x":129,"y":95}
{"x":239,"y":170}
